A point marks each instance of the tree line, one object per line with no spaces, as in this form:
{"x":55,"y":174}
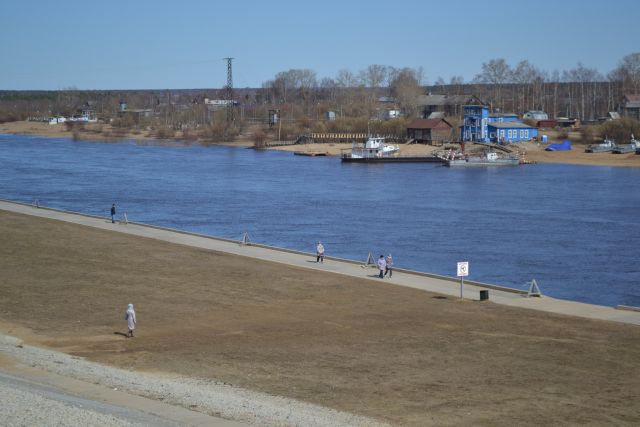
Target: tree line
{"x":580,"y":92}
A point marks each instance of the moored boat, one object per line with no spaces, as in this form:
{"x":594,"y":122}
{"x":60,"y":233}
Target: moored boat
{"x":375,"y":150}
{"x":632,"y":146}
{"x":490,"y":158}
{"x":372,"y":148}
{"x":606,"y":146}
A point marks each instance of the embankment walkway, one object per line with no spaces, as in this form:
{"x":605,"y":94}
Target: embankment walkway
{"x":428,"y":282}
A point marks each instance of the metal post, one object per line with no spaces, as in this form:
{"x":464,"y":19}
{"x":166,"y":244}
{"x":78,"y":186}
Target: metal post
{"x":461,"y":285}
{"x":229,"y":91}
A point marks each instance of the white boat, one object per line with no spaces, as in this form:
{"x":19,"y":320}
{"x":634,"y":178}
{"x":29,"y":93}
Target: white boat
{"x":57,"y":119}
{"x":490,"y":158}
{"x":374,"y":147}
{"x":82,"y":118}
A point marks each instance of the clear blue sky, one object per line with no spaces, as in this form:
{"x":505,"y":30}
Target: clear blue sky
{"x":140,"y":44}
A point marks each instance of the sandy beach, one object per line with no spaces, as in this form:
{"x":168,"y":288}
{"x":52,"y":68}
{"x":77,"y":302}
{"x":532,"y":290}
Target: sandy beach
{"x":533,"y":152}
{"x":397,"y":355}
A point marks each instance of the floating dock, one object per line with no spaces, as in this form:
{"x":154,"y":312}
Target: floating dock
{"x":302,"y":153}
{"x":392,"y":159}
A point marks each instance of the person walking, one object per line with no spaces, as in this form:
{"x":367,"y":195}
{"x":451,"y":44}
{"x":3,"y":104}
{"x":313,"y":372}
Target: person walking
{"x":382,"y":266}
{"x":320,"y":253}
{"x":130,"y":317}
{"x":389,"y":260}
{"x":113,"y":213}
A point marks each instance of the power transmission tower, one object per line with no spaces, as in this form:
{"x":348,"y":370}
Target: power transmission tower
{"x":229,"y":91}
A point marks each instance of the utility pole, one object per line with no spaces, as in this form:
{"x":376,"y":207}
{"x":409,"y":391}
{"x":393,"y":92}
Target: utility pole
{"x":229,"y":91}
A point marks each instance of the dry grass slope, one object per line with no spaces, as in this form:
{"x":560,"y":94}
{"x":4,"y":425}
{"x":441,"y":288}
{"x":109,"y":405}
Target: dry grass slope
{"x":401,"y":355}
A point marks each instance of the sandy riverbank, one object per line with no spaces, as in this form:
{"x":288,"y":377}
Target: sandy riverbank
{"x":399,"y":355}
{"x":534,"y":152}
{"x":97,"y":132}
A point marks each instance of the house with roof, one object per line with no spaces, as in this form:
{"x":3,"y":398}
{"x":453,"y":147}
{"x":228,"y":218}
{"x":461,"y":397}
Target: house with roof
{"x":631,"y":106}
{"x":503,"y":117}
{"x":429,"y":131}
{"x":480,"y":126}
{"x":535,"y":115}
{"x":504,"y":132}
{"x":451,"y":105}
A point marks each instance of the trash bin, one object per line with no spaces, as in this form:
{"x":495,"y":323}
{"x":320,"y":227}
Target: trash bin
{"x":484,"y":295}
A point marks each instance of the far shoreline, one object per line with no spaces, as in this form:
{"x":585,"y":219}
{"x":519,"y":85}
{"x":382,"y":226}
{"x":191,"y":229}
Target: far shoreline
{"x":534,"y":151}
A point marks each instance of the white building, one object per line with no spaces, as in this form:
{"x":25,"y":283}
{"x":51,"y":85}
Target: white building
{"x":536,"y":115}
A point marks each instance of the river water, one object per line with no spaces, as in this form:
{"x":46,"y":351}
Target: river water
{"x":575,"y":229}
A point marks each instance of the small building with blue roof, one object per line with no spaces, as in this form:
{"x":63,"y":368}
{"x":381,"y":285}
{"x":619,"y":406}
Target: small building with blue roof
{"x":504,"y":132}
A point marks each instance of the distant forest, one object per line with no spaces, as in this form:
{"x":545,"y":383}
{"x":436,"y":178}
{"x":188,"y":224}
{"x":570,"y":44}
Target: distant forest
{"x":581,"y":92}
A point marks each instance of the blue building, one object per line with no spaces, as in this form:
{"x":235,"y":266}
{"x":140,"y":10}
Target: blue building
{"x":503,"y":117}
{"x":474,"y":127}
{"x":481,"y":126}
{"x":504,"y":132}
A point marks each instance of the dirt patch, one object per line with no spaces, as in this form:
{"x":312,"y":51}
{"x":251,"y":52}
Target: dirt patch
{"x":356,"y":345}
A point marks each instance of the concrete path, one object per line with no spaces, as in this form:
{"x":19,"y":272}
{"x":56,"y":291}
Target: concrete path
{"x":427,"y":282}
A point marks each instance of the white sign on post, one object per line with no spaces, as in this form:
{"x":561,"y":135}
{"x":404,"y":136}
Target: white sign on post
{"x":463,"y":268}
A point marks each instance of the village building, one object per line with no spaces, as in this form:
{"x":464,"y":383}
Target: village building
{"x":429,"y":131}
{"x":631,"y":106}
{"x":504,"y":132}
{"x":503,"y":117}
{"x":480,"y":126}
{"x":450,"y":105}
{"x":535,"y":115}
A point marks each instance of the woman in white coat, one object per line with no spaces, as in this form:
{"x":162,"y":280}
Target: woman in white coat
{"x":130,"y":317}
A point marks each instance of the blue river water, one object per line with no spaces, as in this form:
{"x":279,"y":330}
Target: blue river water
{"x":575,"y":229}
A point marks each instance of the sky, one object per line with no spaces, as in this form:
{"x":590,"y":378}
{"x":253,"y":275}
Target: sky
{"x":143,"y":44}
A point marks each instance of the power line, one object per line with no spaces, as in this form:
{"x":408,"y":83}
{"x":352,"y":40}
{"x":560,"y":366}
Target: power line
{"x":229,"y":91}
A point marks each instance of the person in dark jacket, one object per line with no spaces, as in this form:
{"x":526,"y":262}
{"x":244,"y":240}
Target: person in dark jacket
{"x":113,"y":213}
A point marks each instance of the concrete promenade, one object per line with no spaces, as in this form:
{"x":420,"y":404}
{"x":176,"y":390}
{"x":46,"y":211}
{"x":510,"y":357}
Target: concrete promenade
{"x":427,"y":282}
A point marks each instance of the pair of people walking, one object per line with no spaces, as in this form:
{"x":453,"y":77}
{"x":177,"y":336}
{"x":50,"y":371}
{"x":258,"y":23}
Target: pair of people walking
{"x":385,"y":266}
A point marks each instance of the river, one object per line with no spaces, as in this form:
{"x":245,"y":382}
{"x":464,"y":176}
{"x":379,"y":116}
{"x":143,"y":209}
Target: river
{"x":572,"y":228}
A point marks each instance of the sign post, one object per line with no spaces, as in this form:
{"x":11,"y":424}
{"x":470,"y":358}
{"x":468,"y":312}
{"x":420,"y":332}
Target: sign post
{"x":463,"y":270}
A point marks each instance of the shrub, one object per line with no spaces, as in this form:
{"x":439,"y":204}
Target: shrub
{"x":620,"y":130}
{"x":164,"y":133}
{"x":219,"y":132}
{"x":588,"y":133}
{"x":259,"y":138}
{"x":563,"y":133}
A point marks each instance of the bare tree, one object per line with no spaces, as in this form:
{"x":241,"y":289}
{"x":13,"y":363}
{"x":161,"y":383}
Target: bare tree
{"x":376,"y":75}
{"x":345,"y":79}
{"x":495,"y":72}
{"x":406,"y":88}
{"x":628,"y":73}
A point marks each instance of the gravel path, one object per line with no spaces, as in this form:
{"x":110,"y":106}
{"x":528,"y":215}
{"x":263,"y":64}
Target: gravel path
{"x":26,"y":404}
{"x":213,"y":398}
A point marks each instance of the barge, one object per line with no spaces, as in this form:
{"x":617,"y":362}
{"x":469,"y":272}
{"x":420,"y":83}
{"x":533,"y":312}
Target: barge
{"x":487,"y":159}
{"x":375,"y":150}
